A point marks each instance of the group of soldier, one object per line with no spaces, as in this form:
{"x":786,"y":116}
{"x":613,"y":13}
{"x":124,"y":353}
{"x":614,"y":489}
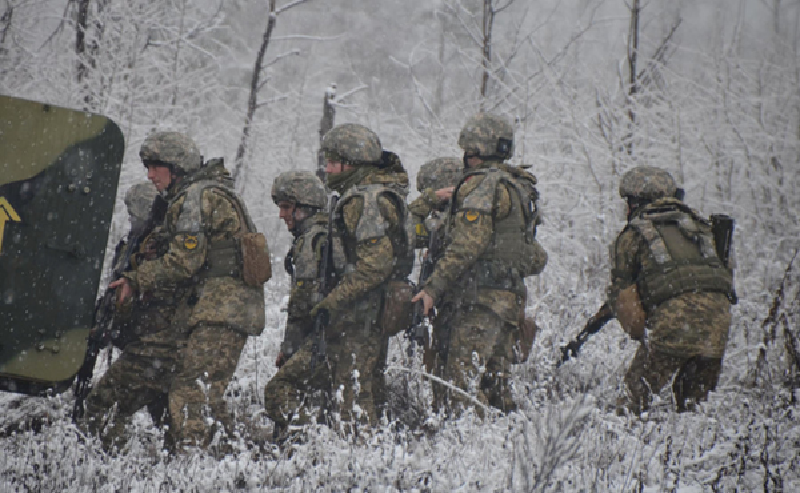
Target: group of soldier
{"x":188,"y":298}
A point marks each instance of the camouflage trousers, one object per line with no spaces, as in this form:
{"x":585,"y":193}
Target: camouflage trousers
{"x":141,"y":377}
{"x":348,"y":385}
{"x":650,"y":371}
{"x":477,"y":358}
{"x":182,"y":384}
{"x":196,"y":400}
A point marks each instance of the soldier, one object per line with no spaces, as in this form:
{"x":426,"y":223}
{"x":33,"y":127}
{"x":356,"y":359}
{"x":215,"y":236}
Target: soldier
{"x":136,"y":379}
{"x":209,"y":270}
{"x":302,"y":200}
{"x":371,"y":223}
{"x":436,"y":181}
{"x":668,"y":278}
{"x":478,"y":284}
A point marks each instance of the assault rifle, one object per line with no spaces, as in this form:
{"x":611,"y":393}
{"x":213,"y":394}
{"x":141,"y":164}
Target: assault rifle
{"x":593,"y":326}
{"x":103,"y":331}
{"x":327,"y":278}
{"x":416,"y":333}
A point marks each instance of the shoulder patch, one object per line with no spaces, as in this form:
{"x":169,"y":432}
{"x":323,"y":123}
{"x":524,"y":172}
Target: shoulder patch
{"x":190,"y":242}
{"x":472,"y":216}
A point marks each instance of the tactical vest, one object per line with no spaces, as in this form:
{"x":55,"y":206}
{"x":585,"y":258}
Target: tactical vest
{"x":305,"y":254}
{"x":372,"y":225}
{"x":682,"y":256}
{"x":508,"y":258}
{"x":223,"y":258}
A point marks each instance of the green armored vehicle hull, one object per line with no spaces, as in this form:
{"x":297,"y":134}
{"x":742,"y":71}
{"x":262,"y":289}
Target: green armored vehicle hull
{"x":59,"y":170}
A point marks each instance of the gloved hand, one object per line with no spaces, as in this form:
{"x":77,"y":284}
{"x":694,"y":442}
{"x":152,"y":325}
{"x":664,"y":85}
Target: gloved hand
{"x":322,"y":306}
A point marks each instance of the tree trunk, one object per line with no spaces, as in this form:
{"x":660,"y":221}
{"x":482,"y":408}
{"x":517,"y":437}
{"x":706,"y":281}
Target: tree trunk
{"x":252,"y":101}
{"x":488,"y":21}
{"x":325,"y":124}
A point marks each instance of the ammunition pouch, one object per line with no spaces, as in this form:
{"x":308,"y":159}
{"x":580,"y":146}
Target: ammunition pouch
{"x":256,"y":264}
{"x":398,"y":311}
{"x":494,"y":274}
{"x":246,"y":257}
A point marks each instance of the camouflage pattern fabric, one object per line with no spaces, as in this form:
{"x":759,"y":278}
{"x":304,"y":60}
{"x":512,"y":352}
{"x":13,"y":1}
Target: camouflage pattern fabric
{"x":647,"y":183}
{"x":478,"y":359}
{"x":172,"y":148}
{"x":215,"y":312}
{"x":701,"y":320}
{"x":301,"y":188}
{"x":440,"y":173}
{"x":352,"y":143}
{"x":306,"y":254}
{"x":139,"y":201}
{"x":484,"y":321}
{"x":219,"y":300}
{"x":686,"y":333}
{"x":140,"y":377}
{"x":196,"y":397}
{"x":487,"y":135}
{"x":650,"y":371}
{"x":351,"y":380}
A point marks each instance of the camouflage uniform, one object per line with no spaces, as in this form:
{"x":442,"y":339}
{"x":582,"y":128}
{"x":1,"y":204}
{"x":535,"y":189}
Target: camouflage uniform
{"x":667,"y":252}
{"x":371,"y":225}
{"x":285,"y":395}
{"x":140,"y":376}
{"x":429,"y":215}
{"x":478,"y":285}
{"x":215,"y":310}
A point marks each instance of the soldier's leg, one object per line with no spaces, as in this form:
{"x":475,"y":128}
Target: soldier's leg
{"x":649,"y":372}
{"x":497,"y":378}
{"x":353,"y":352}
{"x":208,"y":363}
{"x":474,"y":334}
{"x":695,"y":379}
{"x":292,"y":395}
{"x":132,"y":382}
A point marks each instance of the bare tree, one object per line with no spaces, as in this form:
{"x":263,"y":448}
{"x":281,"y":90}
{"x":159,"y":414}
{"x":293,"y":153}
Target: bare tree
{"x":256,"y":82}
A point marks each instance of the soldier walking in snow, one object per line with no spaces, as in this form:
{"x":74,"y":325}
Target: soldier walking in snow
{"x":216,"y":281}
{"x":478,"y":284}
{"x":670,"y":290}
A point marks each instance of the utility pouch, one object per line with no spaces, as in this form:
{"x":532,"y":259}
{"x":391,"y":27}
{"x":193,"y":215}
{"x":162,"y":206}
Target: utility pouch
{"x":398,"y":310}
{"x":256,"y":264}
{"x":629,"y":312}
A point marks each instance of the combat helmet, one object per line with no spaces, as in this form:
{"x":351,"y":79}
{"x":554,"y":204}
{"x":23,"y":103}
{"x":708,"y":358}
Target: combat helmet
{"x":352,"y":144}
{"x":488,"y":136}
{"x":139,"y":200}
{"x":172,"y":149}
{"x":300,"y":187}
{"x":646,"y":184}
{"x":439,"y":173}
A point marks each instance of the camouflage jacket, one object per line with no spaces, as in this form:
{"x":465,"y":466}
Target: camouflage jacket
{"x":373,"y":227}
{"x":690,"y":316}
{"x":486,"y":238}
{"x":201,"y":262}
{"x":306,"y":255}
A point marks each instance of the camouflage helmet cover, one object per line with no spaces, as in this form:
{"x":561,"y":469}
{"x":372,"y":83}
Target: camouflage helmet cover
{"x":353,"y":143}
{"x":488,"y":135}
{"x":647,"y":183}
{"x":173,"y":148}
{"x":300,"y":187}
{"x":439,"y":173}
{"x":139,"y":200}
